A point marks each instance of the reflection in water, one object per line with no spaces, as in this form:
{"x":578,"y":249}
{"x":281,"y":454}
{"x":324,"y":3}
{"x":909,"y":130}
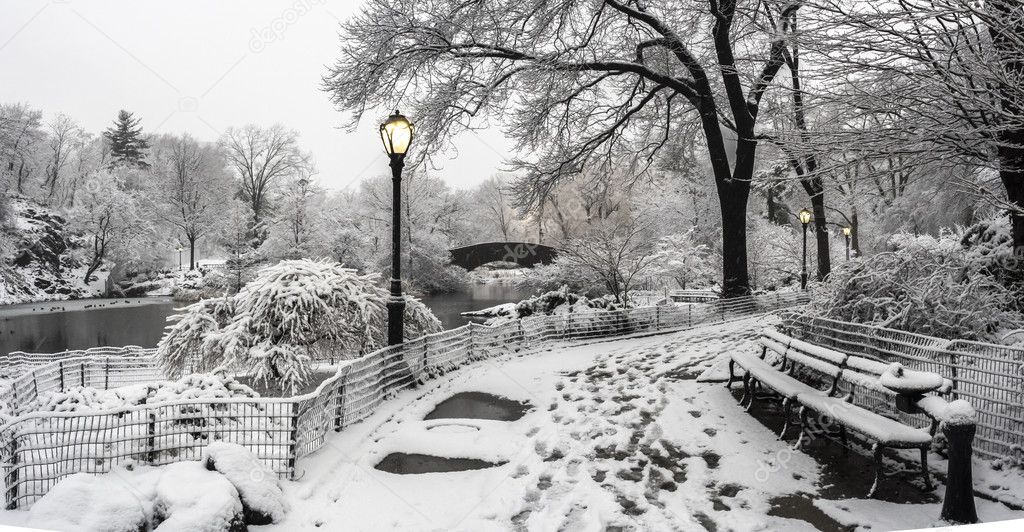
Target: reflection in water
{"x":56,"y":326}
{"x":448,"y":307}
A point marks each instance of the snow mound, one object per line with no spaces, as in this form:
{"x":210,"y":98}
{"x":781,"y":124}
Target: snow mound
{"x":260,"y":492}
{"x":959,"y":412}
{"x":196,"y":500}
{"x":94,"y":503}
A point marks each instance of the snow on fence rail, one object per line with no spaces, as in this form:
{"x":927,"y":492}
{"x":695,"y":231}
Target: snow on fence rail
{"x":40,"y":448}
{"x":17,"y":362}
{"x":989,"y":376}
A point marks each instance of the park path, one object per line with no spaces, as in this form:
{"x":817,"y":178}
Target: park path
{"x":622,"y":436}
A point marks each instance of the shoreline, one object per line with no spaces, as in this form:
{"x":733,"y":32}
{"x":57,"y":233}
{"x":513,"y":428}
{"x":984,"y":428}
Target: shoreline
{"x":78,"y":305}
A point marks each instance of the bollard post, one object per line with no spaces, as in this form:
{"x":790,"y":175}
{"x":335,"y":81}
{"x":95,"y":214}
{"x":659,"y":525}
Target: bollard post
{"x":958,"y":504}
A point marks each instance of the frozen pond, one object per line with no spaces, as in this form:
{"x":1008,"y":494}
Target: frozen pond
{"x":58,"y":325}
{"x":55,"y":326}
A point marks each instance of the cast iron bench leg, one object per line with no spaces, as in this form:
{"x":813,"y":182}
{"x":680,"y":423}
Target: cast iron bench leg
{"x":803,"y":428}
{"x":876,"y":451}
{"x":732,"y":364}
{"x":924,"y":469}
{"x":786,"y":407}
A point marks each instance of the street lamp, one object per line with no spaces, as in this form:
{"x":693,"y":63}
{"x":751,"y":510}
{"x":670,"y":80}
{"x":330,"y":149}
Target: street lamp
{"x":846,"y":233}
{"x":396,"y":133}
{"x":805,"y":219}
{"x":180,"y":249}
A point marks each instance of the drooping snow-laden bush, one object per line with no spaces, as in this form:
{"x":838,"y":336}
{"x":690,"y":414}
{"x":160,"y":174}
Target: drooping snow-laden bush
{"x":291,"y":313}
{"x":926,"y":285}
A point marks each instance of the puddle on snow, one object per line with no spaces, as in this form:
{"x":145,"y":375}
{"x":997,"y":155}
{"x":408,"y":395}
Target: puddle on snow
{"x":415,"y":464}
{"x":479,"y":405}
{"x":801,"y":507}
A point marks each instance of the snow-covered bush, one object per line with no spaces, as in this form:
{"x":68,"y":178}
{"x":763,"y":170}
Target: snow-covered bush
{"x":561,"y":272}
{"x":82,"y":399}
{"x":679,"y":258}
{"x":925,"y":285}
{"x":291,"y":313}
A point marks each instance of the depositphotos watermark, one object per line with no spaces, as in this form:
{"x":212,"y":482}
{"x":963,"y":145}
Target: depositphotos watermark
{"x":275,"y":30}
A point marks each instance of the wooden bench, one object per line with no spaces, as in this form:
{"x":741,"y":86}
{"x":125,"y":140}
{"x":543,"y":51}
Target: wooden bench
{"x":847,"y":390}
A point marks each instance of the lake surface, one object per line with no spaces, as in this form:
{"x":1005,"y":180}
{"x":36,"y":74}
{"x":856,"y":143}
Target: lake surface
{"x":55,"y":326}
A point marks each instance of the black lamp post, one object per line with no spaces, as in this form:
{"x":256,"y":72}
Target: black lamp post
{"x":846,"y":233}
{"x":805,"y":219}
{"x":397,"y":134}
{"x":180,"y":249}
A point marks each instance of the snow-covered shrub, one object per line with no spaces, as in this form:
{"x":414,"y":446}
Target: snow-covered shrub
{"x":291,"y":313}
{"x":82,"y":399}
{"x":925,"y":285}
{"x":679,"y":258}
{"x":258,"y":488}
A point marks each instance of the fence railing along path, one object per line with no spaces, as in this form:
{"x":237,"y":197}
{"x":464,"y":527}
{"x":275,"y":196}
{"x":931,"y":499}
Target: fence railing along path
{"x":40,"y":448}
{"x":989,"y":376}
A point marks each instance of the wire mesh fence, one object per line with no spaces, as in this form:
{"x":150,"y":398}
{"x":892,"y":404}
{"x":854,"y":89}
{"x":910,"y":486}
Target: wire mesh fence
{"x":989,"y":376}
{"x":39,"y":449}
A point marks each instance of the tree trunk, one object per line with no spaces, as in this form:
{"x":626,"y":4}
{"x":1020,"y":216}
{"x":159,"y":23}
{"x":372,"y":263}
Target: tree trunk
{"x":855,"y":233}
{"x":191,"y":253}
{"x":733,"y":194}
{"x":821,"y":235}
{"x":1005,"y":35}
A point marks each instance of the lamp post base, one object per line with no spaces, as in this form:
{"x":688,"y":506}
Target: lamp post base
{"x":396,"y":319}
{"x":803,"y":281}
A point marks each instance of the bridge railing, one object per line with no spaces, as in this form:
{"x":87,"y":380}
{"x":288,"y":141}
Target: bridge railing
{"x":38,"y":449}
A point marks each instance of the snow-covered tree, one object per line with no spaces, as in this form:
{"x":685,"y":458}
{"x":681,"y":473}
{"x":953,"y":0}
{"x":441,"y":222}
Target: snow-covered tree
{"x":191,"y":187}
{"x":680,"y":258}
{"x":65,"y":139}
{"x":109,"y":220}
{"x":21,"y":134}
{"x":618,"y":251}
{"x":291,"y":313}
{"x":126,"y":142}
{"x":261,"y":159}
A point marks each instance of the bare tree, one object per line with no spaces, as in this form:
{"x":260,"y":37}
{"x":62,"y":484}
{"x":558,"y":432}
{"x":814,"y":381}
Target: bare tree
{"x":65,"y":138}
{"x":494,"y":201}
{"x":615,"y":250}
{"x":21,"y":133}
{"x":942,"y":81}
{"x":261,"y":158}
{"x":576,"y":83}
{"x":192,"y":186}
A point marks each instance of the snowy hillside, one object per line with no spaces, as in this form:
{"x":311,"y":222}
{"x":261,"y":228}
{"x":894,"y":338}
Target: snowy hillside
{"x":40,"y":260}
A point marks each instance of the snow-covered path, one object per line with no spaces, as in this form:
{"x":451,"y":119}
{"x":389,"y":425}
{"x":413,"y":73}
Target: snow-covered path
{"x":622,"y":436}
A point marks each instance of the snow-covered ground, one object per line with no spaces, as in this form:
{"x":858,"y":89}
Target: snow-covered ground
{"x":622,"y":436}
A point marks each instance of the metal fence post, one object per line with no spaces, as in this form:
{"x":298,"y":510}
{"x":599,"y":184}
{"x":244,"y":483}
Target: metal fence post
{"x":60,"y":365}
{"x":11,"y":478}
{"x":657,"y":318}
{"x":151,"y":443}
{"x":293,"y":440}
{"x":339,"y":407}
{"x":106,"y":374}
{"x":82,"y":376}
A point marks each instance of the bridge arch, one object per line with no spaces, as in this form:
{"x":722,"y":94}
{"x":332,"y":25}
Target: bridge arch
{"x":525,"y":254}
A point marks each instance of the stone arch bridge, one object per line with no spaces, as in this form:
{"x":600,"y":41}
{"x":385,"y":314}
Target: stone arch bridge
{"x":525,"y":254}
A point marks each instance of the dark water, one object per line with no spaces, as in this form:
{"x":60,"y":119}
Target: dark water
{"x":447,"y":307}
{"x":56,"y":326}
{"x":415,"y":464}
{"x":478,"y":405}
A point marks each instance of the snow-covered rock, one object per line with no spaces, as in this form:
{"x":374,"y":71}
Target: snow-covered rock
{"x":192,"y":499}
{"x":180,"y":497}
{"x":258,"y":488}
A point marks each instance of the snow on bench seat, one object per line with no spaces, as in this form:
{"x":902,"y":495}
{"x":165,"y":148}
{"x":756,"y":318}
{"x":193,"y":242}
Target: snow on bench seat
{"x":886,"y":431}
{"x":782,"y":383}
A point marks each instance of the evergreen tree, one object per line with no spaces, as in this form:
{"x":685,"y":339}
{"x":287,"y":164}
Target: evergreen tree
{"x":127,"y":145}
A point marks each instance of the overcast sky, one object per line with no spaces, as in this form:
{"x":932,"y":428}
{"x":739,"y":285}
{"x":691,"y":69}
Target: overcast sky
{"x":201,"y":67}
